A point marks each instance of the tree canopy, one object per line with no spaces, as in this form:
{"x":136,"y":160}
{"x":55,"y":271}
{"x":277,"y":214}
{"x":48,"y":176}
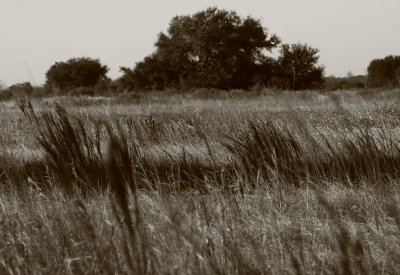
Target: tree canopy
{"x":76,"y":72}
{"x":297,"y":67}
{"x":212,"y":48}
{"x":384,"y":72}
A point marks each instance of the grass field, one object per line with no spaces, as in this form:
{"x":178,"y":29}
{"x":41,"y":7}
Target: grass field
{"x":225,"y":182}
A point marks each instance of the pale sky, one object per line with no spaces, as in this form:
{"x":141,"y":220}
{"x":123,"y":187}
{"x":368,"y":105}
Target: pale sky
{"x":34,"y":34}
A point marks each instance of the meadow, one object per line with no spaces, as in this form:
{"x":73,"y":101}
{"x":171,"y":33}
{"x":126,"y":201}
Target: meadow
{"x":207,"y":182}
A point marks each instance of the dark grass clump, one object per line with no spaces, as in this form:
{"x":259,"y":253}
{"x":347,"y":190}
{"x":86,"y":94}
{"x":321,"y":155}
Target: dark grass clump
{"x":74,"y":156}
{"x":268,"y":149}
{"x":275,"y":151}
{"x":361,"y":155}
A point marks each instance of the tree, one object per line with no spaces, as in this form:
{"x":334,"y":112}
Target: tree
{"x":384,"y":72}
{"x":297,"y":67}
{"x":149,"y":74}
{"x":76,"y":72}
{"x":212,"y":48}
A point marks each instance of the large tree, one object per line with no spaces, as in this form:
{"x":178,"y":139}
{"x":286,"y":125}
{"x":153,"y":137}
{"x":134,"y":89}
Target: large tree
{"x":212,"y":48}
{"x":384,"y":72}
{"x":298,"y":68}
{"x":76,"y":72}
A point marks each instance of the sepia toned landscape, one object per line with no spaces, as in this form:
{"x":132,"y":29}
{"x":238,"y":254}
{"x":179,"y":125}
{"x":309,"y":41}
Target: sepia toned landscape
{"x":211,"y":144}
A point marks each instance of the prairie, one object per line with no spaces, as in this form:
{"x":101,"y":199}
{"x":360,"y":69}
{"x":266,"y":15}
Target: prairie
{"x":267,"y":182}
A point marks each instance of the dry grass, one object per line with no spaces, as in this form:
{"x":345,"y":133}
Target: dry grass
{"x":276,"y":183}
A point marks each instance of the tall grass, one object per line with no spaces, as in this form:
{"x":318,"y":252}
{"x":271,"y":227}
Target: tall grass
{"x":76,"y":157}
{"x":274,"y":150}
{"x":73,"y":156}
{"x":288,"y":198}
{"x":267,"y":149}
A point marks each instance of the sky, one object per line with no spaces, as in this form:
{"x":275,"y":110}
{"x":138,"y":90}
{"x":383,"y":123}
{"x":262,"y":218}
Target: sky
{"x":34,"y":34}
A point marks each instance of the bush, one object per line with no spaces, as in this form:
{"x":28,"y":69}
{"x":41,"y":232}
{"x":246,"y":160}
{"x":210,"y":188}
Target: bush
{"x":75,"y":73}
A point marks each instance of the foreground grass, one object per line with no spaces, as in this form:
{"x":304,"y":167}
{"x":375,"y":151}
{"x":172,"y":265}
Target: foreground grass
{"x":277,"y":183}
{"x":266,"y":231}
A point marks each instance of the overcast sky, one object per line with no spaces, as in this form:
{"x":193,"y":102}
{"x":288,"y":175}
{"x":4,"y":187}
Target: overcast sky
{"x":34,"y":34}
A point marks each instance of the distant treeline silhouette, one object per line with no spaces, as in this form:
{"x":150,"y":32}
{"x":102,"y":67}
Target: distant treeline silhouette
{"x":212,"y":49}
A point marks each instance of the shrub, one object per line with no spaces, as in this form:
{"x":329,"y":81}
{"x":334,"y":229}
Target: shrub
{"x":75,"y":73}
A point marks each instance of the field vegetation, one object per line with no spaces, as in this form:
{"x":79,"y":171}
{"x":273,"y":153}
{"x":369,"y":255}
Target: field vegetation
{"x":209,"y":182}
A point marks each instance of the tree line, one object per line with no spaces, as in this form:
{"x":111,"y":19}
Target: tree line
{"x":218,"y":49}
